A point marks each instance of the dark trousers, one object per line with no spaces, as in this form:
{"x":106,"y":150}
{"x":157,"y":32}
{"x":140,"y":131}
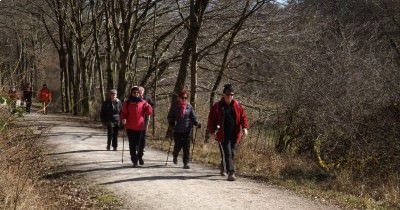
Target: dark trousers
{"x":135,"y":145}
{"x":112,"y":134}
{"x":28,"y":106}
{"x":182,"y":140}
{"x":143,"y":140}
{"x":227,"y":150}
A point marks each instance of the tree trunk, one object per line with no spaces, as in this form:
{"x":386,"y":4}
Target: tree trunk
{"x":197,"y":9}
{"x":108,"y":48}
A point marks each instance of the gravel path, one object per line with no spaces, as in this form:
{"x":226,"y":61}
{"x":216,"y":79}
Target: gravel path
{"x":156,"y":185}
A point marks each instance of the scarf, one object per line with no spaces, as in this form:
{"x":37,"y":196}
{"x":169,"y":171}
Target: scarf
{"x":182,"y":107}
{"x":135,"y":99}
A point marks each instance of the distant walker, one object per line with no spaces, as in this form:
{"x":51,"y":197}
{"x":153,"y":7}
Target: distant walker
{"x":45,"y":97}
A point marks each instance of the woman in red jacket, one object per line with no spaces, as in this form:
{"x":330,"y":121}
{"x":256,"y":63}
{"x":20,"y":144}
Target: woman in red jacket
{"x":225,"y":121}
{"x":134,"y":112}
{"x":45,"y":97}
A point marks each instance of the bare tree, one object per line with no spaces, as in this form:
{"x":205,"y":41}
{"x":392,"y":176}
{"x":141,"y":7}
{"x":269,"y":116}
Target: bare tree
{"x":197,"y":9}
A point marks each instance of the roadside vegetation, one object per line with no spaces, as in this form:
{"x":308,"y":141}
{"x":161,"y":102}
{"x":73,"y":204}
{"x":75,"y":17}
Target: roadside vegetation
{"x":29,"y":179}
{"x":258,"y":158}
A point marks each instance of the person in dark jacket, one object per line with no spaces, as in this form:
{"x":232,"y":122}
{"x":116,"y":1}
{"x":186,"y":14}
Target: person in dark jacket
{"x":134,"y":112}
{"x":181,"y":118}
{"x":27,"y":97}
{"x":110,"y":116}
{"x":226,"y":120}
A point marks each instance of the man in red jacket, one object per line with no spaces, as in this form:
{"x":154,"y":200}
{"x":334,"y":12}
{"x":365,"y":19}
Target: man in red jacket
{"x":226,"y":120}
{"x":134,"y":112}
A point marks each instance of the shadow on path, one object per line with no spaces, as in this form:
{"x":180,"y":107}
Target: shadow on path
{"x":153,"y":178}
{"x":76,"y":151}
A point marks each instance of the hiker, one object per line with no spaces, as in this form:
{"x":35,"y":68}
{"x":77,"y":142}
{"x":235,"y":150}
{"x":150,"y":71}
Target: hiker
{"x":12,"y":93}
{"x":147,"y":119}
{"x":110,"y":117}
{"x":45,"y":97}
{"x":134,"y":112}
{"x":181,"y":118}
{"x":27,"y":97}
{"x":225,"y":120}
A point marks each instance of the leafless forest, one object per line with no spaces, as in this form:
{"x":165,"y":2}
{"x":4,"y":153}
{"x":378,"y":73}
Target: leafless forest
{"x":319,"y":79}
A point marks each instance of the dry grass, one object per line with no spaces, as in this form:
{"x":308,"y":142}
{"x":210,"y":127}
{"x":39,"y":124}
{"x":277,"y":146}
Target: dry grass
{"x":256,"y":158}
{"x":260,"y":161}
{"x":30,"y":180}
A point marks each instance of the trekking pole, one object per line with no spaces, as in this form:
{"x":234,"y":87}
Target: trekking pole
{"x":193,"y":142}
{"x":221,"y":149}
{"x":123,"y":145}
{"x":169,"y":149}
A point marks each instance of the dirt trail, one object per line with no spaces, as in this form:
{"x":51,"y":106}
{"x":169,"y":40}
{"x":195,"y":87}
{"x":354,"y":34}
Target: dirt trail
{"x":154,"y":185}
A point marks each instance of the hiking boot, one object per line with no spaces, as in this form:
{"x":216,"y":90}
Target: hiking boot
{"x":175,"y":160}
{"x":108,"y":148}
{"x":186,"y":166}
{"x":231,"y":176}
{"x":114,"y":149}
{"x":141,"y":162}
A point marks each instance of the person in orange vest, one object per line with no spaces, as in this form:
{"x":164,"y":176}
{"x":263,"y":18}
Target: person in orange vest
{"x":45,"y":97}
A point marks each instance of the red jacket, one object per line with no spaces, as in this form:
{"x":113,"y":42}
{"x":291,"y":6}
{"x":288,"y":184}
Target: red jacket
{"x":135,"y":113}
{"x":44,"y":95}
{"x":215,"y":118}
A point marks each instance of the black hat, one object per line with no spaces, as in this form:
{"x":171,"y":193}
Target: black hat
{"x":228,"y":88}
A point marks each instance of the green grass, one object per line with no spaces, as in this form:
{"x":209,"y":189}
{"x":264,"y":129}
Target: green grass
{"x":108,"y":198}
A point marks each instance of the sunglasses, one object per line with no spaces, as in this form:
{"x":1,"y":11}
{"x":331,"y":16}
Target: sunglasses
{"x":135,"y":92}
{"x":183,"y":97}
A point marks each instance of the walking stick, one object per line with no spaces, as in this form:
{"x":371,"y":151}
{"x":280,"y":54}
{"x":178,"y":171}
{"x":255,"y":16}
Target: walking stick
{"x":221,"y":149}
{"x":169,"y":149}
{"x":193,"y":142}
{"x":123,"y":145}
